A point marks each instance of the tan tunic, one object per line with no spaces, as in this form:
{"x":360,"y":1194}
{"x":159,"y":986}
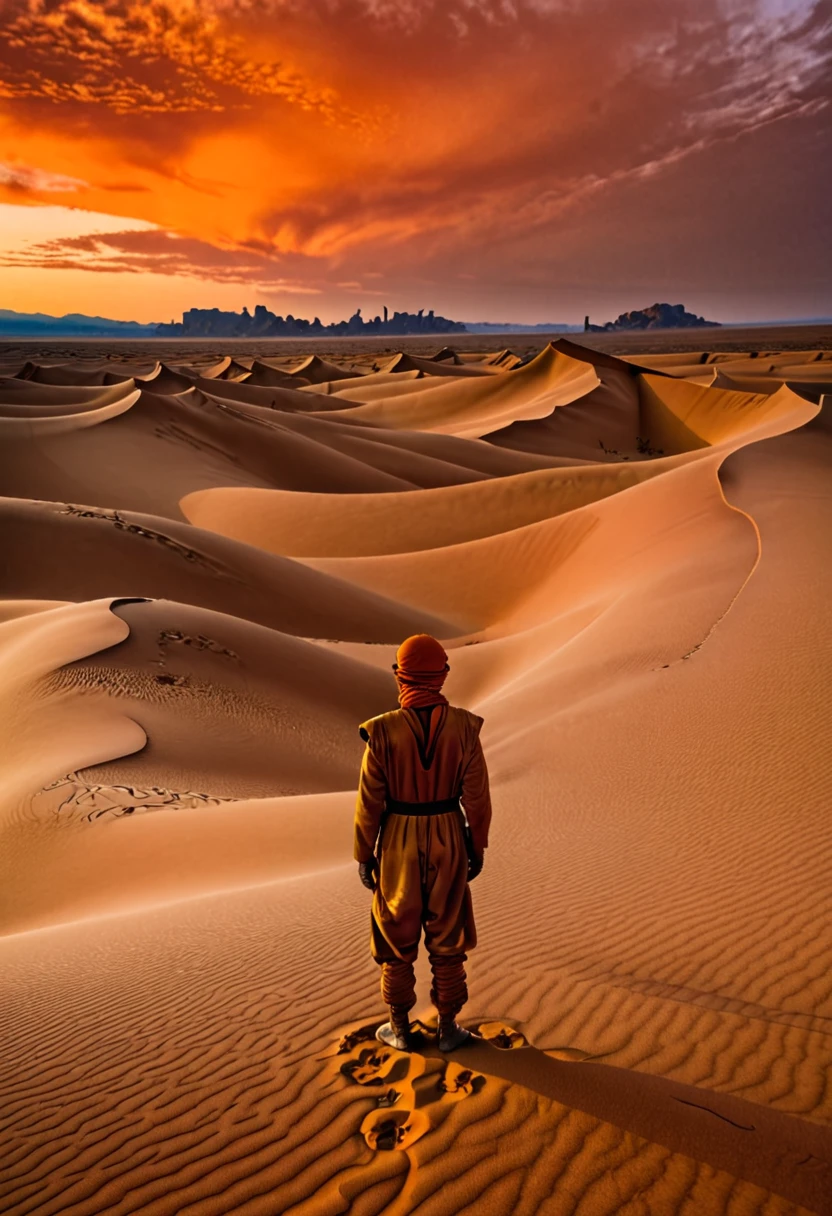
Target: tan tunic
{"x":423,"y":864}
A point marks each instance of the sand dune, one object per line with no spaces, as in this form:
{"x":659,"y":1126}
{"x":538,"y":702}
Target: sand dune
{"x":317,"y":370}
{"x":506,"y":359}
{"x":284,"y":395}
{"x":56,"y":397}
{"x":188,"y":675}
{"x":668,"y":362}
{"x":383,"y":390}
{"x":90,"y":548}
{"x":447,"y":354}
{"x":270,"y":377}
{"x":601,"y":425}
{"x":813,"y":389}
{"x":69,"y":373}
{"x":321,"y":525}
{"x":587,"y":556}
{"x":166,"y":381}
{"x":176,"y":445}
{"x":213,"y":371}
{"x":373,"y":457}
{"x":373,"y":380}
{"x":626,"y":560}
{"x":403,"y":362}
{"x":466,"y":453}
{"x":476,"y":407}
{"x":680,"y":416}
{"x":35,"y":423}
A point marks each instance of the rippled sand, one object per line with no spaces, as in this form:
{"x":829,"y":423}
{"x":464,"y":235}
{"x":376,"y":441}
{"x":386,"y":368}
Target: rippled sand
{"x":207,"y":566}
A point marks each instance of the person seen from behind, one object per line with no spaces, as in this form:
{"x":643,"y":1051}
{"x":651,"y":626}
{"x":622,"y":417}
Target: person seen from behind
{"x":414,"y":850}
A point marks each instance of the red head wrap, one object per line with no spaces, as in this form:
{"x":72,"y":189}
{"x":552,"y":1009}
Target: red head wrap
{"x":421,"y":667}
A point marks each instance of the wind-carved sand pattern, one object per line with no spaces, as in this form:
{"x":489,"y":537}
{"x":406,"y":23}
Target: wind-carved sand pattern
{"x":134,"y":529}
{"x":207,"y":567}
{"x":508,"y":1129}
{"x":70,"y":799}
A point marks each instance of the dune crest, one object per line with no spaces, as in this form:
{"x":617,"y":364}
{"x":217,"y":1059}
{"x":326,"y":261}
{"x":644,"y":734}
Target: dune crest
{"x":477,"y":406}
{"x":208,"y":564}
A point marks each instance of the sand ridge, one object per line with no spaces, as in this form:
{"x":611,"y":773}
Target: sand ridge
{"x":624,"y":563}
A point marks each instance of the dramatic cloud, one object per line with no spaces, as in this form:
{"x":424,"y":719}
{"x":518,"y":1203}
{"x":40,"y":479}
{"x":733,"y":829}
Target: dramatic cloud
{"x":29,"y":180}
{"x":145,"y":56}
{"x":161,"y":253}
{"x":441,"y":146}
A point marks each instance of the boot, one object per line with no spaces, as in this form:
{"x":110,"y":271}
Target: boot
{"x":396,"y":1032}
{"x":450,"y":1034}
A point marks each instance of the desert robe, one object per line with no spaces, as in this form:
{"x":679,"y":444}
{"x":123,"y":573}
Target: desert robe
{"x":416,"y":756}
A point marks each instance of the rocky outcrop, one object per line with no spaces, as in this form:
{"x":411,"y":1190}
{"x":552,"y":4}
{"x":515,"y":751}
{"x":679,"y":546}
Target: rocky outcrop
{"x":657,"y":316}
{"x":213,"y":323}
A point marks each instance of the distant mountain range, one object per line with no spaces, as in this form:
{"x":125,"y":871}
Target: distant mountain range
{"x":73,"y":325}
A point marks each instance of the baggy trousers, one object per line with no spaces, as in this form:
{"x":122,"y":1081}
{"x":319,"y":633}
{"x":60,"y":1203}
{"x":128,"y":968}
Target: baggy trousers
{"x":423,"y":886}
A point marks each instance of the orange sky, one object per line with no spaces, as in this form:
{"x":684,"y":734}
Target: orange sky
{"x":524,"y":160}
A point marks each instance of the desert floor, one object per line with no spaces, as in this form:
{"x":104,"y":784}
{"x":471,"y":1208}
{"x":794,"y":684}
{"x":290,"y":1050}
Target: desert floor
{"x":210,"y":552}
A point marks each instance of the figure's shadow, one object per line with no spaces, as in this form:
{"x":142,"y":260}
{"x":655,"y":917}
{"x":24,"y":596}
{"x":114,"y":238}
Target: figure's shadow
{"x":778,"y":1152}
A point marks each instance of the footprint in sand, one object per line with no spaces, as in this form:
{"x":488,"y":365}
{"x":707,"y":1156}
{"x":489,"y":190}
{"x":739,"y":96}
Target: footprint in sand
{"x":382,"y":1066}
{"x":390,"y":1098}
{"x":419,"y":1089}
{"x":459,"y":1082}
{"x":502,"y":1036}
{"x":362,"y":1034}
{"x":385,"y":1130}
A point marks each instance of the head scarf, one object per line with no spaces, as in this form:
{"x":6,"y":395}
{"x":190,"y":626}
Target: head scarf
{"x":421,"y":667}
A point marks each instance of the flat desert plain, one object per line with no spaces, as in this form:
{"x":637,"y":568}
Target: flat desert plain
{"x":208,"y":562}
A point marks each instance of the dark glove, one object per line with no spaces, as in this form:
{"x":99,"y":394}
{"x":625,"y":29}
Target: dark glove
{"x":367,"y":871}
{"x":475,"y":864}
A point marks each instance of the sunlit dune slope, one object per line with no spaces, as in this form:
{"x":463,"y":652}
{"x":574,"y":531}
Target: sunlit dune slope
{"x":477,"y":406}
{"x":323,"y":525}
{"x":601,"y":425}
{"x":229,"y":707}
{"x":155,"y":449}
{"x":370,"y":380}
{"x":163,"y":447}
{"x":30,"y":394}
{"x":680,"y":416}
{"x":342,"y":429}
{"x":629,"y":572}
{"x":591,"y":555}
{"x":86,"y":551}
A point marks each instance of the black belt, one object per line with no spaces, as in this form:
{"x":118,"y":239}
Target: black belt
{"x":442,"y":807}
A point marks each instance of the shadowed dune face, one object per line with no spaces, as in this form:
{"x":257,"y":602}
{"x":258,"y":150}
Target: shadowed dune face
{"x":206,"y":569}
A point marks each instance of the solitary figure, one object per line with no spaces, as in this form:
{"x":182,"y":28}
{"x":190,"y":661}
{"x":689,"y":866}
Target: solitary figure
{"x":412,"y":845}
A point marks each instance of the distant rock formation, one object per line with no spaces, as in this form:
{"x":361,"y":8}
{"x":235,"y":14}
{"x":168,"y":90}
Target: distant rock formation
{"x":213,"y":323}
{"x":657,"y":316}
